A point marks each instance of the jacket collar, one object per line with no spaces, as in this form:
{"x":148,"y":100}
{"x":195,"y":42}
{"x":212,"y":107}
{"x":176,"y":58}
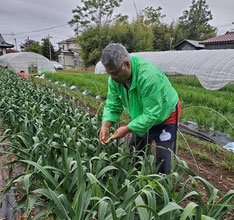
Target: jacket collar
{"x":134,"y":71}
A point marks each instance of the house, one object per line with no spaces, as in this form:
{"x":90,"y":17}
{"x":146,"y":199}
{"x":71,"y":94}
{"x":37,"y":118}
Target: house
{"x":69,"y":55}
{"x":225,"y":41}
{"x":4,"y":45}
{"x":189,"y":45}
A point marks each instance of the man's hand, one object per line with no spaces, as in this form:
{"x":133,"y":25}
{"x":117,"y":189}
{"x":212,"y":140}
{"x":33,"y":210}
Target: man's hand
{"x":121,"y":132}
{"x":104,"y":133}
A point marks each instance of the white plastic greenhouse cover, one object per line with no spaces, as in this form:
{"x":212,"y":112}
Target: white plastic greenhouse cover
{"x":24,"y":60}
{"x":213,"y":68}
{"x":99,"y":68}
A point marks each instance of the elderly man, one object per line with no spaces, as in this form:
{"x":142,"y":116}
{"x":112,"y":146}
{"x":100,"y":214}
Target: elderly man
{"x":148,"y":97}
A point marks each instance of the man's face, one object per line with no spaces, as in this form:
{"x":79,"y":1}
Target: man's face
{"x":121,"y":75}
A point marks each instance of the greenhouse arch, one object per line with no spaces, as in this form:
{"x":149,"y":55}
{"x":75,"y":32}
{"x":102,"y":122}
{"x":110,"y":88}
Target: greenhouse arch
{"x":213,"y":68}
{"x":29,"y":62}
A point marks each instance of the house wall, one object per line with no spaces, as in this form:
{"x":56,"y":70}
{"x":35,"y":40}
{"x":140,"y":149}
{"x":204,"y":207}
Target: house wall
{"x":78,"y":61}
{"x":219,"y":46}
{"x":72,"y":46}
{"x":63,"y":46}
{"x":66,"y":60}
{"x":2,"y":51}
{"x":68,"y":46}
{"x":72,"y":58}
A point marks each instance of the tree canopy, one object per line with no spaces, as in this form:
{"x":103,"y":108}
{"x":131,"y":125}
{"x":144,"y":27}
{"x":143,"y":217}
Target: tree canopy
{"x":34,"y":47}
{"x":194,"y":22}
{"x":47,"y":49}
{"x":94,"y":13}
{"x":96,"y":27}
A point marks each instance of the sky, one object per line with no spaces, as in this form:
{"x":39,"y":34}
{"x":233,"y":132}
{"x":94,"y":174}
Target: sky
{"x":36,"y":19}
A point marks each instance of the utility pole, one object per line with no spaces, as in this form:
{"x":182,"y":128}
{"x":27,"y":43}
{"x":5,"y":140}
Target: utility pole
{"x":171,"y":39}
{"x":13,"y":38}
{"x":49,"y":45}
{"x":77,"y":28}
{"x":15,"y":44}
{"x":100,"y":17}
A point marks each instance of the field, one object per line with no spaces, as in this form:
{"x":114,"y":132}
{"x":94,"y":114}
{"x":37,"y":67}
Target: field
{"x":68,"y":174}
{"x":211,"y":110}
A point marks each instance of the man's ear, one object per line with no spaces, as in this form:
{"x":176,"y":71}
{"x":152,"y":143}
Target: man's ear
{"x":128,"y":64}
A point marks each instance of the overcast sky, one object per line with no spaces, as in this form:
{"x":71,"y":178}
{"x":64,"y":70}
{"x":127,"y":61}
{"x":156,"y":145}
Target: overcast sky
{"x":29,"y":16}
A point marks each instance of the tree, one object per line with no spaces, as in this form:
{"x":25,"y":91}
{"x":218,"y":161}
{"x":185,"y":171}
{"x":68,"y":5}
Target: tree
{"x":28,"y":42}
{"x":92,"y":42}
{"x":194,"y":22}
{"x":34,"y":47}
{"x":94,"y":13}
{"x":47,"y":48}
{"x":152,"y":16}
{"x":164,"y":34}
{"x":136,"y":36}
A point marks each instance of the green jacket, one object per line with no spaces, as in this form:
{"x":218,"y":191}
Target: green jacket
{"x":150,"y":99}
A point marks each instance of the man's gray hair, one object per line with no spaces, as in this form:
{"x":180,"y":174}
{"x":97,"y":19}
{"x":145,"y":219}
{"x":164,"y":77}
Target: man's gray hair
{"x":115,"y":55}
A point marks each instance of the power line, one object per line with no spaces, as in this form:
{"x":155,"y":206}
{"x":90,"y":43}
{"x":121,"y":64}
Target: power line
{"x":44,"y":29}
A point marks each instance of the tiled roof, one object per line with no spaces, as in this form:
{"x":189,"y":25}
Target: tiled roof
{"x":4,"y":44}
{"x":72,"y":39}
{"x":226,"y":38}
{"x":195,"y":43}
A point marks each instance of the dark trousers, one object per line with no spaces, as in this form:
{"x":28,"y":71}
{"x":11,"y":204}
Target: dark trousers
{"x":165,"y":137}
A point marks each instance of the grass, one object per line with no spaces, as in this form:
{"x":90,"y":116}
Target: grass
{"x":228,"y":161}
{"x":93,"y":83}
{"x":207,"y":151}
{"x":193,"y":82}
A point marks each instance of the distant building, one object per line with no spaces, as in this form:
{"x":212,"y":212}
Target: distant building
{"x":225,"y":41}
{"x":189,"y":45}
{"x":4,"y":45}
{"x":69,"y":55}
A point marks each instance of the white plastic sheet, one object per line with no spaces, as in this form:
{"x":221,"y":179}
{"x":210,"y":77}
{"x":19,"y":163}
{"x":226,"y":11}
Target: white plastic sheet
{"x":213,"y":68}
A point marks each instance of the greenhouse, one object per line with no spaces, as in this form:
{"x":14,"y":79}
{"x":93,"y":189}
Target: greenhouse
{"x":27,"y":61}
{"x":213,"y":68}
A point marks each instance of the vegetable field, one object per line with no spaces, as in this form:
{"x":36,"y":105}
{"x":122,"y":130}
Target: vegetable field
{"x":211,"y":110}
{"x":68,"y":174}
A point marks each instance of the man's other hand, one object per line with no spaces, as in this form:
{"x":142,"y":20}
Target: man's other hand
{"x":121,"y":132}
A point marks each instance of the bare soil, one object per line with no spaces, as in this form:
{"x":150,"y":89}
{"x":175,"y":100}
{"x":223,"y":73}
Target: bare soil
{"x":216,"y":174}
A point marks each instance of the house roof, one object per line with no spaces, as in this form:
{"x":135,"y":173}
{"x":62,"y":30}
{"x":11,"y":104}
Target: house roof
{"x":225,"y":38}
{"x":69,"y":40}
{"x":4,"y":44}
{"x":195,"y":43}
